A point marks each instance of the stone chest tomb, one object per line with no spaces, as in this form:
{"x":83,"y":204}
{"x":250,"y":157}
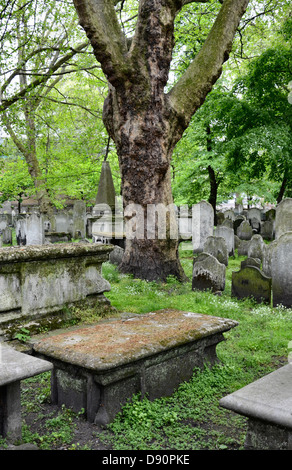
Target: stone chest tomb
{"x":40,"y":280}
{"x":101,"y":366}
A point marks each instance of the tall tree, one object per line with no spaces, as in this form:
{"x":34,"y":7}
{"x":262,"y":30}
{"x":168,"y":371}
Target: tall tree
{"x":143,"y":120}
{"x":34,"y":57}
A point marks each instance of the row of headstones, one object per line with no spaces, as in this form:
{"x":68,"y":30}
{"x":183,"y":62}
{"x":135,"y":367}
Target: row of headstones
{"x":273,"y":281}
{"x":35,"y":229}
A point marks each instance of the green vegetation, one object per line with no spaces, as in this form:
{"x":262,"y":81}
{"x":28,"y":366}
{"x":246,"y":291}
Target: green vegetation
{"x":191,"y":418}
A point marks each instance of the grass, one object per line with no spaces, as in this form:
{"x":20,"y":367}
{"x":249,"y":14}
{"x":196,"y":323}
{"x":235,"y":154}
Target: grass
{"x":191,"y":418}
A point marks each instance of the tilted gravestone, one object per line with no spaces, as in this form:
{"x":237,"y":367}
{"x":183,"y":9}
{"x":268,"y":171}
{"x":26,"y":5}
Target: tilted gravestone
{"x":228,"y":234}
{"x":208,"y":273}
{"x":244,"y":231}
{"x":251,"y":282}
{"x":281,"y":262}
{"x":283,"y":220}
{"x":256,"y":247}
{"x":217,"y":247}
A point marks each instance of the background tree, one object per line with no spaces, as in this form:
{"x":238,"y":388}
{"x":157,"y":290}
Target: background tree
{"x":35,"y":54}
{"x":143,"y":120}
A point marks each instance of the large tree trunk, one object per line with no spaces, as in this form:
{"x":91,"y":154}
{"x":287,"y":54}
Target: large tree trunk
{"x":144,"y":122}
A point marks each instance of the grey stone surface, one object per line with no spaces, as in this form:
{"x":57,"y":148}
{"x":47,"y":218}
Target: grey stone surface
{"x":244,"y":231}
{"x":267,"y":402}
{"x":14,"y":367}
{"x":251,"y":282}
{"x":151,"y":354}
{"x":281,"y":262}
{"x":228,"y":234}
{"x":256,"y":247}
{"x":116,"y":255}
{"x":283,"y":220}
{"x":208,"y":273}
{"x":37,"y":280}
{"x":35,"y":233}
{"x":79,"y":219}
{"x":217,"y":247}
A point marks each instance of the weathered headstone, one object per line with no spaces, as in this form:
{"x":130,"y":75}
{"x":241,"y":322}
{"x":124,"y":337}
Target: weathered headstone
{"x":202,"y":224}
{"x":227,"y":223}
{"x":251,"y":262}
{"x":237,"y":221}
{"x":267,"y":230}
{"x":242,"y":249}
{"x":62,"y":222}
{"x":244,"y":231}
{"x":283,"y":220}
{"x":256,"y":247}
{"x":255,"y":213}
{"x":35,"y":234}
{"x":217,"y":247}
{"x":251,"y":282}
{"x":228,"y":234}
{"x":20,"y":230}
{"x":3,"y":222}
{"x":79,"y":219}
{"x":229,"y":214}
{"x":208,"y":273}
{"x":220,"y":218}
{"x":116,"y":255}
{"x":7,"y":236}
{"x":281,"y":272}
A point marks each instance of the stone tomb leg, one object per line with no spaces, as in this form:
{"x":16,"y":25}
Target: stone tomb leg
{"x":14,"y":367}
{"x":100,"y":367}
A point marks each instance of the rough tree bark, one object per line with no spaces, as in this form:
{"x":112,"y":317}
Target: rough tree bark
{"x":145,"y":122}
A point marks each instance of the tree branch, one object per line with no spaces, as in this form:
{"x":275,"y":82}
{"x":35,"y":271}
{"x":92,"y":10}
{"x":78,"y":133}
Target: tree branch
{"x":190,"y":91}
{"x":5,"y":103}
{"x":99,"y":20}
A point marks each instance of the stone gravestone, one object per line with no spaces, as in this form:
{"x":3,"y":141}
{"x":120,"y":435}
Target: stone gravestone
{"x":281,"y":272}
{"x":228,"y":234}
{"x":79,"y":219}
{"x":238,"y":220}
{"x":251,"y":282}
{"x":3,"y":222}
{"x":267,"y":230}
{"x":244,"y":231}
{"x":217,"y":247}
{"x":208,"y":273}
{"x":35,"y":233}
{"x":62,"y":222}
{"x":243,"y":247}
{"x":20,"y":229}
{"x":251,"y":262}
{"x":202,"y":224}
{"x":283,"y":220}
{"x":256,"y":247}
{"x":7,"y":236}
{"x":255,"y":213}
{"x":227,"y":223}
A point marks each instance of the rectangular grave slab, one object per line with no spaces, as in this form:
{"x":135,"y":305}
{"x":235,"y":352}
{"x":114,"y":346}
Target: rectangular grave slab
{"x":100,"y":367}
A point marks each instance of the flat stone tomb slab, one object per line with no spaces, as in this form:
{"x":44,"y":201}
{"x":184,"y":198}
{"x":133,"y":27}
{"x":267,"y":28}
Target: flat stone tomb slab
{"x":267,"y":403}
{"x":100,"y":367}
{"x":14,"y":367}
